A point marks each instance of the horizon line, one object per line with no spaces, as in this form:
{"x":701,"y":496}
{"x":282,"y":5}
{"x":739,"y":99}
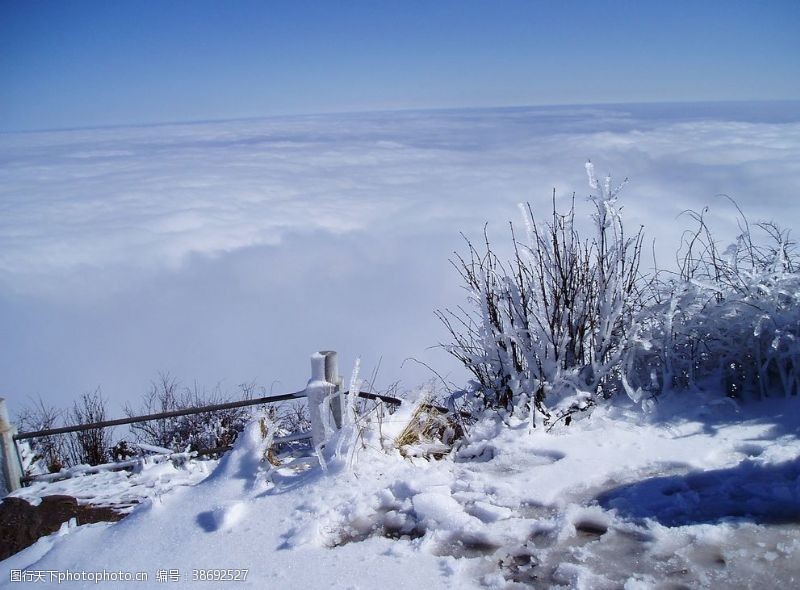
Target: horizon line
{"x":377,"y":111}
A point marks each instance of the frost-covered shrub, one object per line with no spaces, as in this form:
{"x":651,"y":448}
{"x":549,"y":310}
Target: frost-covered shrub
{"x":545,"y":332}
{"x":48,"y":453}
{"x":569,"y":320}
{"x":90,"y":447}
{"x":294,"y":418}
{"x":207,"y":430}
{"x":728,"y":321}
{"x":55,"y":452}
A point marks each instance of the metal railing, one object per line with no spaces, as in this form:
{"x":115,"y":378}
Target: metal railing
{"x":160,"y":415}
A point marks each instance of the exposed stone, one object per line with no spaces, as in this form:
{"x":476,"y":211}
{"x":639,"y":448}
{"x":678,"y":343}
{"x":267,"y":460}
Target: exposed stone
{"x":22,"y":524}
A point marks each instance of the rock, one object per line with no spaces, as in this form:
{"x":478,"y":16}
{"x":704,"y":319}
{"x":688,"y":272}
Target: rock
{"x":22,"y":524}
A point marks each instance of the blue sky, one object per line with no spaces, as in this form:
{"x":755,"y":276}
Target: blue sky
{"x":80,"y":63}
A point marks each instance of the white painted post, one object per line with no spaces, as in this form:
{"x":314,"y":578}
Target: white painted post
{"x":332,"y":376}
{"x":324,"y":382}
{"x":10,"y":468}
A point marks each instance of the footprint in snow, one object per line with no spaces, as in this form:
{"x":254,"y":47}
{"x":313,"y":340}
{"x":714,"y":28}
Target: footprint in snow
{"x":545,"y":456}
{"x":223,"y":517}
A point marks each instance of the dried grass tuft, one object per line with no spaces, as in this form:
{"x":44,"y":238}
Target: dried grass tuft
{"x":430,"y":433}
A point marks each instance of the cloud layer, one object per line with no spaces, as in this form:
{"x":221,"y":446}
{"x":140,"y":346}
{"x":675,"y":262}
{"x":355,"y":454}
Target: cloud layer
{"x":221,"y":242}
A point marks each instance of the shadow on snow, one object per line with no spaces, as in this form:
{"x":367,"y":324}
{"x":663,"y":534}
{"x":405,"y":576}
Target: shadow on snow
{"x":763,"y":494}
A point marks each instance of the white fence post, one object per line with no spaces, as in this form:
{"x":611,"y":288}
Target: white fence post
{"x":332,"y":376}
{"x":10,"y":469}
{"x":324,"y":381}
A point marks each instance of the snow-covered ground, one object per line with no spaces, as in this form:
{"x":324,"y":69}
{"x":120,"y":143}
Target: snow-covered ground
{"x":701,"y":493}
{"x":123,"y":489}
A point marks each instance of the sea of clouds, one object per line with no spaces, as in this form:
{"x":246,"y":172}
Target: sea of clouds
{"x":226,"y":252}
